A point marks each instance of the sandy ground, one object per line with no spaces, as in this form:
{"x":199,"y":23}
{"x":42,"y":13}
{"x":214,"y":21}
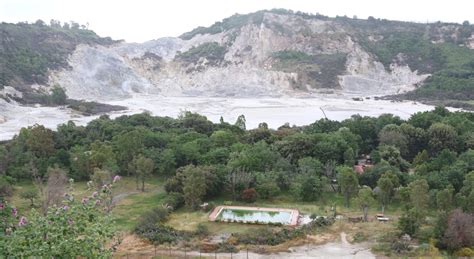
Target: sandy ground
{"x":274,"y":111}
{"x":133,"y":247}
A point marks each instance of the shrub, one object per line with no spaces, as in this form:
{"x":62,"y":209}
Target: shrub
{"x":173,"y":185}
{"x":268,"y":189}
{"x":153,"y":217}
{"x":159,"y":233}
{"x":6,"y":186}
{"x":465,"y":252}
{"x":323,"y":221}
{"x":401,"y":245}
{"x":201,"y":230}
{"x":174,"y":200}
{"x":409,"y":223}
{"x":359,"y":237}
{"x":249,"y":195}
{"x":30,"y":195}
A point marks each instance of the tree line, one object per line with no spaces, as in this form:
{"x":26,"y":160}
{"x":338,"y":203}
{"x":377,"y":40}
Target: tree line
{"x":425,"y":163}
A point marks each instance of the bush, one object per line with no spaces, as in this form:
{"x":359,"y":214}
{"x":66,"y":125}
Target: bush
{"x":401,"y":245}
{"x":173,"y":184}
{"x":174,"y":200}
{"x":465,"y":252}
{"x":268,"y":189}
{"x":159,"y":233}
{"x":153,"y":217}
{"x":30,"y":195}
{"x":409,"y":223}
{"x":201,"y":230}
{"x":359,"y":237}
{"x":323,"y":221}
{"x":249,"y":195}
{"x":6,"y":186}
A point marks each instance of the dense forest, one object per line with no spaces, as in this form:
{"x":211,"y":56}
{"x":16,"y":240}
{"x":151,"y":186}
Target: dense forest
{"x":423,"y":165}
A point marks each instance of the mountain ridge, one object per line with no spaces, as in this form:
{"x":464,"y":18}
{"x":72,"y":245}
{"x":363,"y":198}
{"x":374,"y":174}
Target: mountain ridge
{"x":277,"y":53}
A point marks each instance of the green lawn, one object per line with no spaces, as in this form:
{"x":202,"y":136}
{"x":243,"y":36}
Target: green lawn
{"x":132,"y":203}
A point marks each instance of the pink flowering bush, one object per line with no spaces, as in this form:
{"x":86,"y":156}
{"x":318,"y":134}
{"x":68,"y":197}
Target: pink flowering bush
{"x":78,"y":228}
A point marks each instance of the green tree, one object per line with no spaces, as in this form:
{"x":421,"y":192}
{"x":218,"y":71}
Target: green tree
{"x":102,"y":156}
{"x":392,"y":135}
{"x":58,"y":95}
{"x":442,"y":136}
{"x":421,"y":158}
{"x":348,"y":182}
{"x":127,"y":146}
{"x":142,"y":167}
{"x":309,"y":188}
{"x":349,"y":157}
{"x":240,"y":122}
{"x":392,"y":155}
{"x":223,"y":138}
{"x":387,"y":184}
{"x":194,"y":187}
{"x":410,"y":222}
{"x":40,"y":141}
{"x":444,"y":199}
{"x":364,"y":200}
{"x":167,"y":162}
{"x":310,"y":166}
{"x":419,"y":196}
{"x":465,"y":197}
{"x":81,"y":165}
{"x":31,"y":195}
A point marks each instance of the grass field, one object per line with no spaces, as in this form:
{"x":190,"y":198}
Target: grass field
{"x":131,"y":203}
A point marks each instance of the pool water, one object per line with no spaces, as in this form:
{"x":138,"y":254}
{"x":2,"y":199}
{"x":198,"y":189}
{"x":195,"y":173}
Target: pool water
{"x":283,"y":217}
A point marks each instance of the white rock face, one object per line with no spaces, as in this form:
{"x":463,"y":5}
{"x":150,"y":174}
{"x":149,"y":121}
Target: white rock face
{"x":124,"y":70}
{"x":365,"y":76}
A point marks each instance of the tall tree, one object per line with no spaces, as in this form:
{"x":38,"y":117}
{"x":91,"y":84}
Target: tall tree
{"x":444,"y":199}
{"x":349,"y":184}
{"x":142,"y":167}
{"x":419,"y":196}
{"x":40,"y":141}
{"x":442,"y":136}
{"x":364,"y":200}
{"x":194,"y":187}
{"x":387,"y":184}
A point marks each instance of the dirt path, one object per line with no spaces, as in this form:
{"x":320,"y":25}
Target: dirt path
{"x":122,"y":196}
{"x":344,"y":238}
{"x":335,"y":249}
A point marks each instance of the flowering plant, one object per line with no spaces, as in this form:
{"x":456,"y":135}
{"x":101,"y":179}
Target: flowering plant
{"x":79,"y":228}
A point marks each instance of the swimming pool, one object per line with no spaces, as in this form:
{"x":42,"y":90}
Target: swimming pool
{"x":255,"y":215}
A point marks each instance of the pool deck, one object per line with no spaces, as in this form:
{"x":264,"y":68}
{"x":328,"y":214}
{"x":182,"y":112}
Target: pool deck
{"x":294,"y":213}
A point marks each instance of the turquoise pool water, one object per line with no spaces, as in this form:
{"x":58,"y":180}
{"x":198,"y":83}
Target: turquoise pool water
{"x":283,"y":217}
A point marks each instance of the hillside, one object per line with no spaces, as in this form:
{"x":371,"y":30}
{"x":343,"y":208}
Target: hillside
{"x":266,"y":53}
{"x":29,"y":52}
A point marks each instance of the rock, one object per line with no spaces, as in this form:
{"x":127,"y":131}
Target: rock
{"x":247,"y":69}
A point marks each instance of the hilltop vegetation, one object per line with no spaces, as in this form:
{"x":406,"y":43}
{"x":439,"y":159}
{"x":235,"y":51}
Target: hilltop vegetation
{"x":29,"y":51}
{"x":319,"y":71}
{"x":318,"y":49}
{"x":439,"y":49}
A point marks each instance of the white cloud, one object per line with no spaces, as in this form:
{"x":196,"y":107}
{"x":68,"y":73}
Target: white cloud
{"x":141,"y":20}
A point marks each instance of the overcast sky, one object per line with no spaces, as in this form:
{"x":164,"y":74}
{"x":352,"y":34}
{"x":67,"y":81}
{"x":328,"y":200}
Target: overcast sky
{"x":141,"y":20}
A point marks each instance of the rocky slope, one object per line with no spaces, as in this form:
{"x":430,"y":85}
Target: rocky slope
{"x":270,"y":53}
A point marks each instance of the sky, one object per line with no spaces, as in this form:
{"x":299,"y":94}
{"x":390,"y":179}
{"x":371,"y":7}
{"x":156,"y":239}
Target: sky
{"x":142,"y":20}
